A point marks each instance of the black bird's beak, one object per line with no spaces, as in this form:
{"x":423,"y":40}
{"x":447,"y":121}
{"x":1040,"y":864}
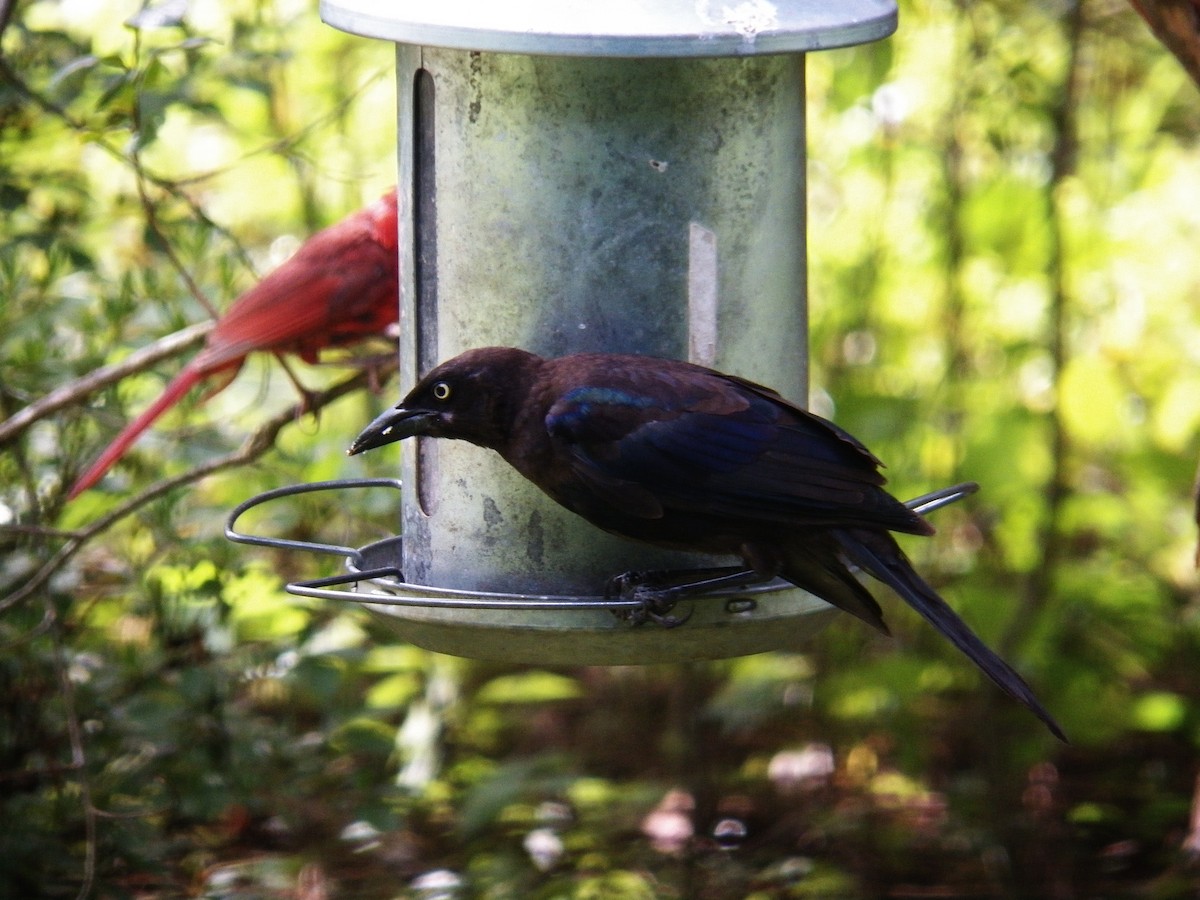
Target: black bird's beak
{"x":394,"y":425}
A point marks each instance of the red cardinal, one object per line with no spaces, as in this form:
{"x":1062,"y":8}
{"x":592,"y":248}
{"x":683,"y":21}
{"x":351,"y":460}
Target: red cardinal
{"x":340,"y":286}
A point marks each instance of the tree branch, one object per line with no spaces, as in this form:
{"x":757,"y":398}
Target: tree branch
{"x":74,"y":392}
{"x":253,"y":447}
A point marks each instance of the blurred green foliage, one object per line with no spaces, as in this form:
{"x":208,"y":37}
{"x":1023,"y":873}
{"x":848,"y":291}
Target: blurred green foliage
{"x":1003,"y":288}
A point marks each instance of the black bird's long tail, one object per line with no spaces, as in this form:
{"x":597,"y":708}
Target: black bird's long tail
{"x":878,"y":554}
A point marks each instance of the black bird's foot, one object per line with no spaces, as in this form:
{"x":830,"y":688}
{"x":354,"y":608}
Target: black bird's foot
{"x":658,"y":592}
{"x":655,"y":600}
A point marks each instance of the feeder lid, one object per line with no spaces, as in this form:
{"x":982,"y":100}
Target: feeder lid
{"x":628,"y":28}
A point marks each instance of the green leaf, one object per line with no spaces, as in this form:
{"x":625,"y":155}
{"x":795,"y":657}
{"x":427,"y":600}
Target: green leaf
{"x":530,"y":687}
{"x":1159,"y":711}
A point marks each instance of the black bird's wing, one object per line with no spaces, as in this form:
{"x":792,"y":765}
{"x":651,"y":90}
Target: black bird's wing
{"x":703,"y":461}
{"x":696,"y":442}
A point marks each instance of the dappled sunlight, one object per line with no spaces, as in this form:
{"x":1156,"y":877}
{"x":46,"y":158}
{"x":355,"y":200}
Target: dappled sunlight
{"x":1003,"y":283}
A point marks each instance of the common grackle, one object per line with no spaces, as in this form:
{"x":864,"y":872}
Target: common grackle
{"x":688,"y":458}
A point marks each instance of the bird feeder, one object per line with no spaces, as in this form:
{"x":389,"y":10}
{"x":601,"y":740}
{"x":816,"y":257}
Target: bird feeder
{"x":625,"y":176}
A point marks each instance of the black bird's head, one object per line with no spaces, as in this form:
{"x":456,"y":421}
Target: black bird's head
{"x":471,"y":397}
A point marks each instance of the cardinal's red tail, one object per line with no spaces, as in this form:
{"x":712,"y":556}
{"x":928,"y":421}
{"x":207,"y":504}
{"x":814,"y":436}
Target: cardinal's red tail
{"x":180,"y":385}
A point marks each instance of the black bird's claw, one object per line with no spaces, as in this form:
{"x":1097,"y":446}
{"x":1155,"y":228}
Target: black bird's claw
{"x":655,"y":603}
{"x":657,"y":593}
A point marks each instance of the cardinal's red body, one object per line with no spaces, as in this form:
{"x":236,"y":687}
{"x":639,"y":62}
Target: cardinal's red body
{"x":342,"y":285}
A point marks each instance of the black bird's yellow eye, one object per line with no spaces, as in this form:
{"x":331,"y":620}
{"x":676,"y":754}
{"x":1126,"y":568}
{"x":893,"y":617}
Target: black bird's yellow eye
{"x":441,"y":391}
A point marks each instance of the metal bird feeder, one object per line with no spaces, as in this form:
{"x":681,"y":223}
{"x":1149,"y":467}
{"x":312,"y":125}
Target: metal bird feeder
{"x":626,"y":176}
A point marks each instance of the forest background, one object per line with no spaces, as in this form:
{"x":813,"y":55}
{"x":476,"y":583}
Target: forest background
{"x":1004,"y":211}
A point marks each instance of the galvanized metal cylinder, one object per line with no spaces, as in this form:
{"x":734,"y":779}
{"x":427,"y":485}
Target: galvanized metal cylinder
{"x":561,"y":204}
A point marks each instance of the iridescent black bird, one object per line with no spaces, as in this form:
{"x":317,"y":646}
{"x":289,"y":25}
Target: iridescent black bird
{"x":690,"y":459}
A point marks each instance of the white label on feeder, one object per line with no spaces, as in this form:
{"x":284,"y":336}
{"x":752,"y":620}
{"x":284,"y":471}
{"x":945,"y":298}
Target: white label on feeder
{"x":702,"y":295}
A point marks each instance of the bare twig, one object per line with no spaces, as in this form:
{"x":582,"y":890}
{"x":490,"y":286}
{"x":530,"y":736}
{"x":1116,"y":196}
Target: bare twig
{"x":74,"y":392}
{"x":255,"y":445}
{"x":176,"y":186}
{"x":172,"y":187}
{"x":149,"y":209}
{"x":151,"y":214}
